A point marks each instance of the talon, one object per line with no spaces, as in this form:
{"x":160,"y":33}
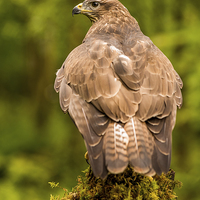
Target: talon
{"x":87,"y":157}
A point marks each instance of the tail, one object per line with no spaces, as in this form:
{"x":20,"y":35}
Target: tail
{"x":130,"y":143}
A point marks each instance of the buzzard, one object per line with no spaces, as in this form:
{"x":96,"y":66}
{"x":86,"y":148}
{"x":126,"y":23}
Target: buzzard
{"x":121,"y":92}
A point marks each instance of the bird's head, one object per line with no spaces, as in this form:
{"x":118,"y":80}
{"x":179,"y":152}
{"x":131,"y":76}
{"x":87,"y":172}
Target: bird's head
{"x":96,"y":9}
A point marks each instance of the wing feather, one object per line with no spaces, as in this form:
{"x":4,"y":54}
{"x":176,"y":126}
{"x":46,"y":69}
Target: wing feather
{"x":92,"y":124}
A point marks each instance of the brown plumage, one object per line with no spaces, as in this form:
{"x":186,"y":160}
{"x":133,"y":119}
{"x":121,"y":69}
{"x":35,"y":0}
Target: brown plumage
{"x":121,"y":91}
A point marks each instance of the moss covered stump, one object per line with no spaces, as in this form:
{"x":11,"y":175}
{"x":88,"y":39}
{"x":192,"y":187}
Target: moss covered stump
{"x":125,"y":186}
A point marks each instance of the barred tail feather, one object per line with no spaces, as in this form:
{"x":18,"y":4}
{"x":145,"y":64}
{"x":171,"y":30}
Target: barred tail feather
{"x":140,"y":147}
{"x":115,"y":145}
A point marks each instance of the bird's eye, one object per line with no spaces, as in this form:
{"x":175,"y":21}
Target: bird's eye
{"x":95,"y":4}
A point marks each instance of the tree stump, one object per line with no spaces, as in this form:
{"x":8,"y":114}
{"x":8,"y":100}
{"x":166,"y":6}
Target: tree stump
{"x":125,"y":186}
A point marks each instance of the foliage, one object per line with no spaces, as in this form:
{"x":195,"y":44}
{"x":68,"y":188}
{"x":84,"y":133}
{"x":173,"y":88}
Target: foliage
{"x":38,"y":143}
{"x":126,"y":186}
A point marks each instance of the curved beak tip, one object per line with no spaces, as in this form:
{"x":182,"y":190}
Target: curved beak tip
{"x":77,"y":9}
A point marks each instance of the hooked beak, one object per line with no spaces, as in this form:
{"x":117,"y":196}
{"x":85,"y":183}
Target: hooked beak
{"x":80,"y":8}
{"x":77,"y":9}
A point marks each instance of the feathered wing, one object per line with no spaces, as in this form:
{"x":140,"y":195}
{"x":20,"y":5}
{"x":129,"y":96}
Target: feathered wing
{"x":91,"y":123}
{"x":159,"y":86}
{"x":123,"y":100}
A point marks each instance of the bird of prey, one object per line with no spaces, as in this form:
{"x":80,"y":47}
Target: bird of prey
{"x":121,"y":92}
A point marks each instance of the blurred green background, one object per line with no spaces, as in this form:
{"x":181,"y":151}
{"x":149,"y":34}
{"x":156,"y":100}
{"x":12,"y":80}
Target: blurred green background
{"x":38,"y":143}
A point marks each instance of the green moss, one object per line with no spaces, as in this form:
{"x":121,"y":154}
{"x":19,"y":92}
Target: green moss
{"x":126,"y":186}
